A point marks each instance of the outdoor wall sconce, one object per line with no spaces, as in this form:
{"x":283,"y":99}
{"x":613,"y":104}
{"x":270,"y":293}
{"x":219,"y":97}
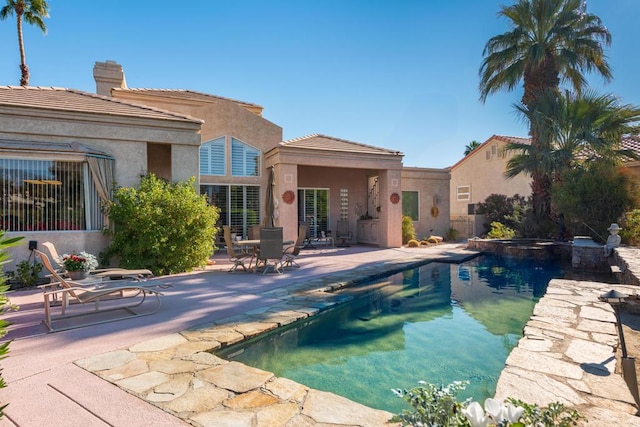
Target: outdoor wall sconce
{"x":616,"y":299}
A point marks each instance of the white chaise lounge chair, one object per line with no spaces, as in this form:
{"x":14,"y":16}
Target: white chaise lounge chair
{"x":72,"y":298}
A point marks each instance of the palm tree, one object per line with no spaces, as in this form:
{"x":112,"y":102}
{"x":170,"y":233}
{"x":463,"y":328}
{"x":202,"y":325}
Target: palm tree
{"x":549,"y":41}
{"x":471,"y":146}
{"x":573,"y":130}
{"x":34,"y":12}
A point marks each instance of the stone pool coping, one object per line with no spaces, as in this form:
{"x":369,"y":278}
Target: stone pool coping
{"x":176,"y":372}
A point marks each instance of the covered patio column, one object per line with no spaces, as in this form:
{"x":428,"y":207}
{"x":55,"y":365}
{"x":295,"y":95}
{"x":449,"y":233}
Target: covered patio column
{"x":287,"y":196}
{"x":390,"y":224}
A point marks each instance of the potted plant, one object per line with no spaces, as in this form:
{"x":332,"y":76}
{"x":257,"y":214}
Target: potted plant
{"x":79,"y":265}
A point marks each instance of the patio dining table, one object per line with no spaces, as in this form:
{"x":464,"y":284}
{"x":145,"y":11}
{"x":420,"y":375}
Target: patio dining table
{"x":246,"y":245}
{"x":256,"y":243}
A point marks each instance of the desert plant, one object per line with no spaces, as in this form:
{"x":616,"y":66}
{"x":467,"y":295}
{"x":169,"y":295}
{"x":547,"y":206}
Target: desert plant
{"x":5,"y":304}
{"x":504,"y":209}
{"x":631,"y":227}
{"x":28,"y":272}
{"x":451,"y":234}
{"x":555,"y":415}
{"x":413,"y":243}
{"x":165,"y":227}
{"x":596,"y":195}
{"x":433,"y":405}
{"x":438,"y":406}
{"x":500,"y":231}
{"x":408,"y":231}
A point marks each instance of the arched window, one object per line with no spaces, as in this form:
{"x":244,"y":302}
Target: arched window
{"x":212,"y":158}
{"x":245,"y":160}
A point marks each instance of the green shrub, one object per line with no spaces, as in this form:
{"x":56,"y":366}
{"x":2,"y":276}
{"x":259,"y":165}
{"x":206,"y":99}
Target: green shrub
{"x":500,"y":231}
{"x":27,"y":273}
{"x":433,"y":405}
{"x":596,"y":195}
{"x":451,"y":234}
{"x":5,"y":305}
{"x":631,"y":228}
{"x":408,"y":231}
{"x":438,"y":406}
{"x":165,"y":227}
{"x":500,"y":208}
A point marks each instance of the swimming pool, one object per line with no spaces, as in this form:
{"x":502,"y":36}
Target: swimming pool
{"x":438,"y":323}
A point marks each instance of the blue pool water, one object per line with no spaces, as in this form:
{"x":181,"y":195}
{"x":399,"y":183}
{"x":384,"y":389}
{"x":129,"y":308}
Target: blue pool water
{"x":438,"y":323}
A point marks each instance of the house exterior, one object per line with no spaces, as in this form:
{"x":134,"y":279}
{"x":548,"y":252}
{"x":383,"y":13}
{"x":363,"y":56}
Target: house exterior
{"x":62,"y":151}
{"x":478,"y":175}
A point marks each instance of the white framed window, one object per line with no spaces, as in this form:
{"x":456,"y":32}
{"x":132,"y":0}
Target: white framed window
{"x":463,"y":193}
{"x":212,"y":157}
{"x":239,"y":205}
{"x":245,"y":159}
{"x":38,"y":195}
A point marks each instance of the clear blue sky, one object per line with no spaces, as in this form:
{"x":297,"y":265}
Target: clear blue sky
{"x":400,"y":74}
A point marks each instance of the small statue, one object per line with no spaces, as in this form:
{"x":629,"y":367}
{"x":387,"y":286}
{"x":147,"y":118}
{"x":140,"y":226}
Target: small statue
{"x":613,"y":241}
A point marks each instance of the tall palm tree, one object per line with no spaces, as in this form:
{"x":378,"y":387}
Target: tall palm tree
{"x":549,"y":41}
{"x":573,"y":130}
{"x":34,"y":12}
{"x":471,"y":146}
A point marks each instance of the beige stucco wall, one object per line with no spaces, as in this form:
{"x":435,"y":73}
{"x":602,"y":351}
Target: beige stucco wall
{"x":222,"y":118}
{"x":65,"y":241}
{"x":344,"y":170}
{"x":432,"y":186}
{"x":485,"y":177}
{"x":124,"y":138}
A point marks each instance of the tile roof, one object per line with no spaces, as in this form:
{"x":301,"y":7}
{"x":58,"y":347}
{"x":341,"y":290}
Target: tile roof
{"x":328,"y":143}
{"x":61,"y":99}
{"x":189,"y":94}
{"x":631,"y":142}
{"x":58,"y":147}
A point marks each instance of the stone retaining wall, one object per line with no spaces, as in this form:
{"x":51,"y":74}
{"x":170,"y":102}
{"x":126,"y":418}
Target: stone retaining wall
{"x":584,"y":258}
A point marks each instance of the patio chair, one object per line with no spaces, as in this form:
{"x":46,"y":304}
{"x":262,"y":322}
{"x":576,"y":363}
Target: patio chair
{"x":111,"y":272}
{"x":343,"y":233}
{"x":238,"y":259}
{"x":308,"y":240}
{"x":292,"y":252}
{"x":254,"y":232}
{"x":125,"y":296}
{"x":270,"y":253}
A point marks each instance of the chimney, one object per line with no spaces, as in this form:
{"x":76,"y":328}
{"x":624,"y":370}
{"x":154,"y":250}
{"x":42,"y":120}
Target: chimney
{"x":108,"y":74}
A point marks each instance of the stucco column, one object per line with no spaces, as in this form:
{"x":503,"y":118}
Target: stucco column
{"x":287,"y":182}
{"x":390,"y":225}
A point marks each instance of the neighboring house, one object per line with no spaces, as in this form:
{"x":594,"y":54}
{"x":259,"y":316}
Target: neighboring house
{"x":62,"y":150}
{"x":632,"y":143}
{"x":478,"y":175}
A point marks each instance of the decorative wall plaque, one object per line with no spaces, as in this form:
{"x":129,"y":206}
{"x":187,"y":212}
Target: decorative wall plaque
{"x":395,"y":198}
{"x":288,"y":197}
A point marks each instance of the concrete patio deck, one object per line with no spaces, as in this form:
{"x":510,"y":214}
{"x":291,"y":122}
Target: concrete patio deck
{"x":47,"y":386}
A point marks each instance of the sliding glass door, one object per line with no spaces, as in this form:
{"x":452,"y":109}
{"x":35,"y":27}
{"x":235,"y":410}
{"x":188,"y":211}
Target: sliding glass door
{"x":313,"y":208}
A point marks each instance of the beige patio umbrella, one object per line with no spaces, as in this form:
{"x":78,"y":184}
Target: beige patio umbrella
{"x":271,"y":204}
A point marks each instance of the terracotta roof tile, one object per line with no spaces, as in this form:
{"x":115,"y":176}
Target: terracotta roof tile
{"x":631,"y":142}
{"x":60,"y":99}
{"x":328,"y":143}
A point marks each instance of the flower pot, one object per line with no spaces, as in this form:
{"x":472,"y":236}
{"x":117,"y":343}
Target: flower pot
{"x":78,"y":275}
